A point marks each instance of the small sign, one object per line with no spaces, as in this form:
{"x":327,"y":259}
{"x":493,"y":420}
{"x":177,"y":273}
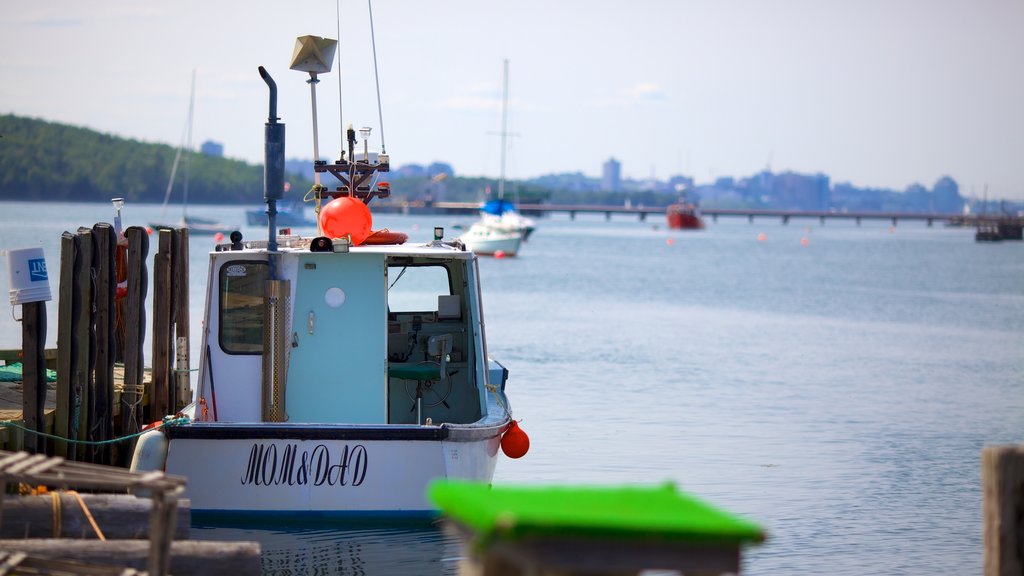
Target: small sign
{"x":37,"y":270}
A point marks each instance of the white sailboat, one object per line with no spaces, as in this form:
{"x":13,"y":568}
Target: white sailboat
{"x":501,"y":230}
{"x":194,"y":224}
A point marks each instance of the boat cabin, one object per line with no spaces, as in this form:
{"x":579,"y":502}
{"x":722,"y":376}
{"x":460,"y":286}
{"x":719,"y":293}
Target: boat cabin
{"x":367,"y":335}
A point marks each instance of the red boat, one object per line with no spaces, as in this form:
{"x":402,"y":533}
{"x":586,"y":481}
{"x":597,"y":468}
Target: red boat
{"x":684,"y":216}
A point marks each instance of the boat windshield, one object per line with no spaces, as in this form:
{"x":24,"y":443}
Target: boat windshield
{"x":415,"y":288}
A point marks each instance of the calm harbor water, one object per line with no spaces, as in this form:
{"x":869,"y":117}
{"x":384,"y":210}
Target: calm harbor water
{"x":838,"y":390}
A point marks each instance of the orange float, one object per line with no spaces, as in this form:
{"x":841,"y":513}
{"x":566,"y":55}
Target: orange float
{"x":346,"y":216}
{"x":515,"y":443}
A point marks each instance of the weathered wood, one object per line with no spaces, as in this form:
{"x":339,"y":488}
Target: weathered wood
{"x":81,"y":374}
{"x":159,"y":398}
{"x":182,"y":388}
{"x":33,"y":373}
{"x":102,"y":395}
{"x":194,"y":557}
{"x":119,"y":516}
{"x":135,"y":329}
{"x":62,"y":418}
{"x":1002,"y":480}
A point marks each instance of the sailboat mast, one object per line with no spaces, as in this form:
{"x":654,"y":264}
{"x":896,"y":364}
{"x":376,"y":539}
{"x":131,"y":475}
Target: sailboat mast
{"x":188,"y":148}
{"x":504,"y":129}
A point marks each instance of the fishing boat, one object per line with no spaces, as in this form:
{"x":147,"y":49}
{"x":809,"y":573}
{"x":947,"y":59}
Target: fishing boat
{"x":194,"y":224}
{"x":684,"y":216}
{"x":501,"y":229}
{"x":338,"y":377}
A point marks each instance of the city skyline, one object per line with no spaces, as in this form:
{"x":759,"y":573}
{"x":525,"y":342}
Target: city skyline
{"x":877,"y":94}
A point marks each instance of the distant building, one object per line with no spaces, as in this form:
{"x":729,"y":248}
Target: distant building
{"x":611,"y":175}
{"x":211,"y":148}
{"x":946,"y":196}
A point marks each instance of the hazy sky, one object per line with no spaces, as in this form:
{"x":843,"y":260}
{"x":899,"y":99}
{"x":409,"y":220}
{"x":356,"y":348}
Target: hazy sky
{"x":877,"y":93}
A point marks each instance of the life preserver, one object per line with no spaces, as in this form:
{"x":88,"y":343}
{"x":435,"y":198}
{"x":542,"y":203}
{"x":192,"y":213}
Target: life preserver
{"x":385,"y":236}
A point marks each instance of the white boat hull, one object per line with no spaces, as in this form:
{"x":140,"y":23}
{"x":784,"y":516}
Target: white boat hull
{"x":303,"y":471}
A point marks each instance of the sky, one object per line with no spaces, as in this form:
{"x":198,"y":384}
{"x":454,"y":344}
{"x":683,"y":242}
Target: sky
{"x":871,"y":92}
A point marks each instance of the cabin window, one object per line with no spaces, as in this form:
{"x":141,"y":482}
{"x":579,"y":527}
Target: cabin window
{"x":242,"y":285}
{"x":415,"y":288}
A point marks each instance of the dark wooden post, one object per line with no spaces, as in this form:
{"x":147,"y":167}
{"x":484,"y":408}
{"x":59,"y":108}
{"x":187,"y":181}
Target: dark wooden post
{"x":182,"y":381}
{"x":1002,"y":480}
{"x":81,"y":373}
{"x":33,"y":373}
{"x":102,"y":395}
{"x":135,"y":329}
{"x":159,"y":397}
{"x":65,"y":343}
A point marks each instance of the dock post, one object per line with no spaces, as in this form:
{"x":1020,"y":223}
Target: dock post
{"x":1002,"y":480}
{"x":102,"y":395}
{"x":182,"y":379}
{"x":159,"y":398}
{"x":33,"y":373}
{"x":65,"y":339}
{"x":135,"y":331}
{"x":81,"y":343}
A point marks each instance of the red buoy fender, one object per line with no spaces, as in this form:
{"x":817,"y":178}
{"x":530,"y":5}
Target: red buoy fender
{"x":515,"y":443}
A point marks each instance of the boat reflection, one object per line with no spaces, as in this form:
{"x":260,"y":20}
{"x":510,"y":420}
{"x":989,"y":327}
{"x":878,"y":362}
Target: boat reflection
{"x":329,"y":548}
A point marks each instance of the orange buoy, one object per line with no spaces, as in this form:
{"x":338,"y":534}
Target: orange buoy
{"x":670,"y":241}
{"x":804,"y":241}
{"x":761,"y":237}
{"x":218,"y":237}
{"x":515,"y":443}
{"x":346,"y":216}
{"x":499,"y":254}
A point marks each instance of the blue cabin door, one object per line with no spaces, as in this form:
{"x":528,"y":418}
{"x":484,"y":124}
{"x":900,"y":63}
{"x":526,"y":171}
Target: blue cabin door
{"x":338,"y":363}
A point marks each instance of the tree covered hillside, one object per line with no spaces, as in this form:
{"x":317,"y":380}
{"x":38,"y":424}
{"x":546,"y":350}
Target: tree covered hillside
{"x":41,"y":160}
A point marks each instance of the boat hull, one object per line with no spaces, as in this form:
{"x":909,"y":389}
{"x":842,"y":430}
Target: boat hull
{"x":683,"y":219}
{"x":326,"y":470}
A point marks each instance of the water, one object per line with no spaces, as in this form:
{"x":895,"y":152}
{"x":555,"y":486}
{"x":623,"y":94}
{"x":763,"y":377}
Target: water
{"x":839,"y":393}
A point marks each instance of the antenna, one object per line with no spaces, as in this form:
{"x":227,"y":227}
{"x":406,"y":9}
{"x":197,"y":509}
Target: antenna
{"x":341,"y":117}
{"x":314,"y":55}
{"x":376,"y":78}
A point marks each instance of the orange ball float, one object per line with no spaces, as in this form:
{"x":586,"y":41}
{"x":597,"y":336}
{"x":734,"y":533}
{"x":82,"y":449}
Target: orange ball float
{"x":346,"y":216}
{"x":515,"y":443}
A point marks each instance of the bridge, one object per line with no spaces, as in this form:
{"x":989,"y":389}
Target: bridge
{"x":642,"y":212}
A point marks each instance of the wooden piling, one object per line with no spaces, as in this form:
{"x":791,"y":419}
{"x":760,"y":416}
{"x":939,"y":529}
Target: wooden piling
{"x":135,"y":330}
{"x":33,"y":373}
{"x":81,"y":341}
{"x":159,"y":392}
{"x":101,"y":409}
{"x":182,"y":381}
{"x":1002,"y":479}
{"x":65,"y":344}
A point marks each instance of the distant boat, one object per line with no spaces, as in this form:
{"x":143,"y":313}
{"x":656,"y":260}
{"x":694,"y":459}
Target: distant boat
{"x":490,"y":238}
{"x":194,"y":224}
{"x":501,"y":227}
{"x":684,"y":216}
{"x":290,"y":214}
{"x":509,"y":217}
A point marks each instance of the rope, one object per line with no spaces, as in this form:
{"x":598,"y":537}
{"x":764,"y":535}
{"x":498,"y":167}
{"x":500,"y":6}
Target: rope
{"x":167,"y":422}
{"x":88,"y":515}
{"x":55,"y":505}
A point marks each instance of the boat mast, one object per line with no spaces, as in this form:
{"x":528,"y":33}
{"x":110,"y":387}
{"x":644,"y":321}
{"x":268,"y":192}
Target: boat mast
{"x":188,"y":148}
{"x":504,"y":129}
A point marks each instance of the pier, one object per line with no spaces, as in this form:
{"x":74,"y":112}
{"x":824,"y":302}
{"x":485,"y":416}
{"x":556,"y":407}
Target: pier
{"x":642,"y":212}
